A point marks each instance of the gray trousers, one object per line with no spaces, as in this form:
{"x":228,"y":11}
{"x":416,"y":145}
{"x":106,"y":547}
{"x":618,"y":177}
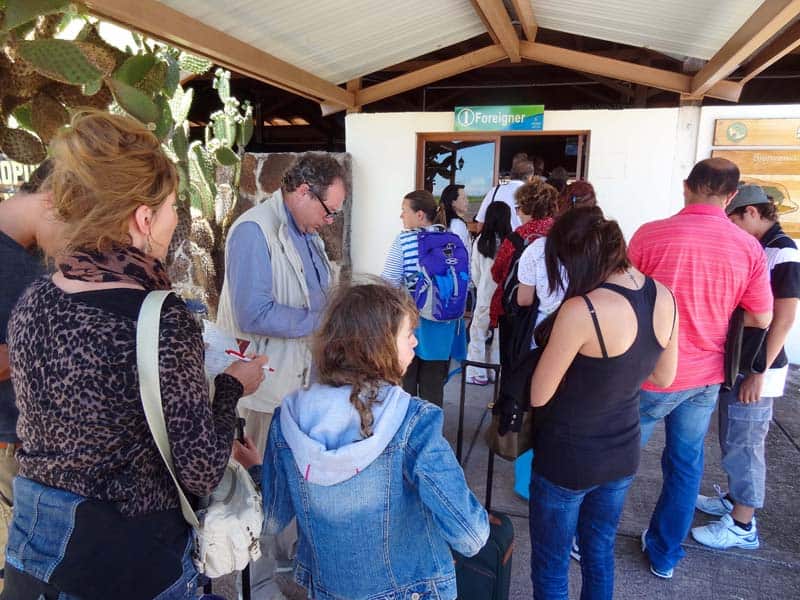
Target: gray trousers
{"x":742,"y":435}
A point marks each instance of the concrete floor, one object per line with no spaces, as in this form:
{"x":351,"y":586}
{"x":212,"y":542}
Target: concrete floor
{"x":771,"y":572}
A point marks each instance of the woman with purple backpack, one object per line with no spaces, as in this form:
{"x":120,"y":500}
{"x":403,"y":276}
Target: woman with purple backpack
{"x":440,"y":338}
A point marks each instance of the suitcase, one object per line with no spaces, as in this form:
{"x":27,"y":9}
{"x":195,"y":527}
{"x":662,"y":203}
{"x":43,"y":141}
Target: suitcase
{"x":487,"y":575}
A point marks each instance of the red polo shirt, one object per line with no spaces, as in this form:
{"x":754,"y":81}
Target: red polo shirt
{"x":712,"y":266}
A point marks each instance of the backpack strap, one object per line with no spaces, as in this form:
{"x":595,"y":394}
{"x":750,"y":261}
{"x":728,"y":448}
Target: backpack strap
{"x":147,"y":329}
{"x":516,"y":240}
{"x":596,"y":325}
{"x":496,"y":188}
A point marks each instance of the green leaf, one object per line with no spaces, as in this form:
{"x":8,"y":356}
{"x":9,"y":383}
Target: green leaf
{"x":91,"y":88}
{"x":22,"y":11}
{"x":244,"y":133}
{"x":23,"y":116}
{"x":180,"y":144}
{"x":194,"y":64}
{"x":180,"y":103}
{"x":226,"y":156}
{"x":165,"y":122}
{"x":133,"y":70}
{"x":62,"y":60}
{"x":173,"y":79}
{"x":136,"y":103}
{"x":222,"y":83}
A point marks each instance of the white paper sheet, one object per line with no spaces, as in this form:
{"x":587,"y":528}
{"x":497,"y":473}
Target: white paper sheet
{"x":217,"y":342}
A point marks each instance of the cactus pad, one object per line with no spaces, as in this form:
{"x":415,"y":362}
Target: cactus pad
{"x":19,"y":12}
{"x":66,"y":61}
{"x":194,"y":64}
{"x":48,"y":115}
{"x":21,"y":146}
{"x":136,"y":103}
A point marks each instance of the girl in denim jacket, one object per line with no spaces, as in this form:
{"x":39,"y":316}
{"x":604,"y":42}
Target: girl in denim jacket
{"x":378,"y":494}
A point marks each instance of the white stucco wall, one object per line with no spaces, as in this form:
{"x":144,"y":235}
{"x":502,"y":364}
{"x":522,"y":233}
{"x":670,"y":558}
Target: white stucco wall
{"x":630,"y":165}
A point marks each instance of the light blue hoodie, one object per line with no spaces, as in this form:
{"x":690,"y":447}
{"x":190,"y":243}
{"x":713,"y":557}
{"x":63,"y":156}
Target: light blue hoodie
{"x":376,"y":516}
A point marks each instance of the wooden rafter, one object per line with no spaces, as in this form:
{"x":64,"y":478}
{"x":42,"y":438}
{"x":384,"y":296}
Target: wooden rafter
{"x":156,"y":20}
{"x":442,"y":70}
{"x":625,"y":71}
{"x":763,"y":24}
{"x":784,"y":44}
{"x":495,"y":17}
{"x":524,"y":10}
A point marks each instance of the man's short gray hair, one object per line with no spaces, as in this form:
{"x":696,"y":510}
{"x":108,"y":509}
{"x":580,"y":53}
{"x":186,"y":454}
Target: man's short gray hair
{"x":318,"y":169}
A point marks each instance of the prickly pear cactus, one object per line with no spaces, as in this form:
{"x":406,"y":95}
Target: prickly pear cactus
{"x":21,"y":146}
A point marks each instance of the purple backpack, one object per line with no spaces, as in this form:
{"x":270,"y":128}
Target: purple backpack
{"x":441,"y":285}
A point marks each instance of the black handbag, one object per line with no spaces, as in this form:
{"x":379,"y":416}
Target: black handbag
{"x":743,"y":349}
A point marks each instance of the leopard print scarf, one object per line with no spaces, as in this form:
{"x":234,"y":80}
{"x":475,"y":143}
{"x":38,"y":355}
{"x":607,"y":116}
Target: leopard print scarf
{"x":121,"y":263}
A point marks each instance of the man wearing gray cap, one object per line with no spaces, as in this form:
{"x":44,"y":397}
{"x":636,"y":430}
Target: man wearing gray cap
{"x":746,"y":410}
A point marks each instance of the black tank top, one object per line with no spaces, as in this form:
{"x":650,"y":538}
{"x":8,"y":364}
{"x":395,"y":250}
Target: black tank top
{"x":590,"y":432}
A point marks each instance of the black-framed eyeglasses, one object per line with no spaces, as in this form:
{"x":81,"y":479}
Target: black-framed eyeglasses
{"x":329,"y":214}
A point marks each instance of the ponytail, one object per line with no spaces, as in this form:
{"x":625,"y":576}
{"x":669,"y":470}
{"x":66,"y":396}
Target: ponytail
{"x":441,"y":216}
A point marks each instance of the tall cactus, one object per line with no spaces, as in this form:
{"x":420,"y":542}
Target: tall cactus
{"x":45,"y":78}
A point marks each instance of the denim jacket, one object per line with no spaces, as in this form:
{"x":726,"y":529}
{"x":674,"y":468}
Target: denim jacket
{"x":376,"y":516}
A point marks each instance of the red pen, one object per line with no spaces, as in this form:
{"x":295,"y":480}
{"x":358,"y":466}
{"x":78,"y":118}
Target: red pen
{"x":244,"y":358}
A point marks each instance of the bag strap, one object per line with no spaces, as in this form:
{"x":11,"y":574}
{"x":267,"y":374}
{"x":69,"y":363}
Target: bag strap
{"x":147,"y":330}
{"x":596,"y":325}
{"x":516,"y":240}
{"x":497,"y":187}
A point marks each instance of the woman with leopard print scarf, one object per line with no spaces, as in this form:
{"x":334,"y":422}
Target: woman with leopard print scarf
{"x":93,"y":492}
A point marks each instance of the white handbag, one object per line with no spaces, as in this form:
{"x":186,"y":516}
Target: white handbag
{"x":228,"y":526}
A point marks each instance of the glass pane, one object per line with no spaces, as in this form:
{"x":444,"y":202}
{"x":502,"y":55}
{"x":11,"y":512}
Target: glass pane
{"x":469,"y":163}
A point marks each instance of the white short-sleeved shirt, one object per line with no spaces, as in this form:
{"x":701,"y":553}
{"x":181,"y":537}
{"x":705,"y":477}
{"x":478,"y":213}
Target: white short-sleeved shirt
{"x":505,"y":193}
{"x":533,"y":272}
{"x":458,"y":227}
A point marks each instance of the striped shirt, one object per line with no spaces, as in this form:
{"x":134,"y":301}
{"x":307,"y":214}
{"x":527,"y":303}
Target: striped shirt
{"x":402,"y":262}
{"x":712,"y":267}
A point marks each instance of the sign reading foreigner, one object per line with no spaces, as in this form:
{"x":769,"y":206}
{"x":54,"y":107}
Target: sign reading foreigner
{"x":527,"y":117}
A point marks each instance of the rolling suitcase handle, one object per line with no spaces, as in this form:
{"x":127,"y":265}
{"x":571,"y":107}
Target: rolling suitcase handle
{"x":460,"y":435}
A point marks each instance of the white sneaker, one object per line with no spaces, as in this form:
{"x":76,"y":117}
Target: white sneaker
{"x":716,"y":506}
{"x":575,"y":552}
{"x":725,"y":534}
{"x":660,"y":574}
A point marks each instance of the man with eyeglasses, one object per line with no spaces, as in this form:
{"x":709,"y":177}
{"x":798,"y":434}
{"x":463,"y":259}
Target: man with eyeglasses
{"x":276,"y":279}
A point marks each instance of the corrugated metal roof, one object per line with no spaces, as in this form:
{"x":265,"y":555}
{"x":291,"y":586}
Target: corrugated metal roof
{"x":695,"y":28}
{"x":335,"y":40}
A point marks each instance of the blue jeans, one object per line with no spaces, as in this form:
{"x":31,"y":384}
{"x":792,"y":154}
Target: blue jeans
{"x":557,"y":514}
{"x":742,"y":432}
{"x":686,"y":415}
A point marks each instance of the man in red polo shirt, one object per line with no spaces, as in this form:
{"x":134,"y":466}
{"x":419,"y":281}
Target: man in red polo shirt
{"x":712,"y":267}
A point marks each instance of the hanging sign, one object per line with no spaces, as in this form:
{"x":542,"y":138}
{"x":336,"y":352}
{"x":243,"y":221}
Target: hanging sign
{"x":525,"y":117}
{"x":757,"y":132}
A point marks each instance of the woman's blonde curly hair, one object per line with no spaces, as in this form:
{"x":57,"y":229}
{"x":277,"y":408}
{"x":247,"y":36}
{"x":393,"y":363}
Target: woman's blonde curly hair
{"x":104,"y":167}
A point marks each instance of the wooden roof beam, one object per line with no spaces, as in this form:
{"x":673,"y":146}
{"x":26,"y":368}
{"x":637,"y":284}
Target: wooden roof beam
{"x":624,"y":71}
{"x":524,"y":10}
{"x":415,"y":79}
{"x":494,"y":15}
{"x":156,"y":20}
{"x":784,"y":44}
{"x":763,"y":24}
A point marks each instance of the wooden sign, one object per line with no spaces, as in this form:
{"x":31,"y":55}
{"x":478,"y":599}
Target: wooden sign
{"x":757,"y":132}
{"x":778,"y":172}
{"x":763,"y":162}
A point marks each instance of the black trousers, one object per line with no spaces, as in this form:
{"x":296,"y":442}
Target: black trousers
{"x":426,"y":379}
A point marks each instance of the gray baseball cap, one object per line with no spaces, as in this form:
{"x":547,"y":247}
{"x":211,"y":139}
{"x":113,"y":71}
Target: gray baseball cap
{"x":747,"y":196}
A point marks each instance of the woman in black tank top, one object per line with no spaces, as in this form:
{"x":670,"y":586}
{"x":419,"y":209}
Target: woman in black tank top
{"x":608,"y":337}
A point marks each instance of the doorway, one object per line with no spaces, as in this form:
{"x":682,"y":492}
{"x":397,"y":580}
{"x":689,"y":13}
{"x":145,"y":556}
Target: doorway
{"x":478,"y":160}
